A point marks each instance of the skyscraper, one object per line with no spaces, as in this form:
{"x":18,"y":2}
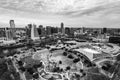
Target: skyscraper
{"x":62,"y":28}
{"x":28,"y":31}
{"x":12,"y":28}
{"x":104,"y":30}
{"x":54,"y":30}
{"x":67,"y":30}
{"x":9,"y":35}
{"x":2,"y":32}
{"x":34,"y":33}
{"x":48,"y":30}
{"x":41,"y":30}
{"x":12,"y":24}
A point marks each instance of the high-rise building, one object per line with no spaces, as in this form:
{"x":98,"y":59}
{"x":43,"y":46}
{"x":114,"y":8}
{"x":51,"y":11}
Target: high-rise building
{"x":57,"y":30}
{"x":41,"y":30}
{"x":29,"y":26}
{"x":12,"y":24}
{"x":62,"y":28}
{"x":67,"y":30}
{"x":104,"y":30}
{"x":2,"y":32}
{"x":54,"y":30}
{"x":72,"y":30}
{"x":9,"y":34}
{"x":48,"y":30}
{"x":81,"y":30}
{"x":34,"y":33}
{"x":28,"y":31}
{"x":12,"y":27}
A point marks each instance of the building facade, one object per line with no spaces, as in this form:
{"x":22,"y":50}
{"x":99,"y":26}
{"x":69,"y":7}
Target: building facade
{"x":12,"y":26}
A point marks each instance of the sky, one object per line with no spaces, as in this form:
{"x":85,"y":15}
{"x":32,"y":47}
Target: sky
{"x":73,"y":13}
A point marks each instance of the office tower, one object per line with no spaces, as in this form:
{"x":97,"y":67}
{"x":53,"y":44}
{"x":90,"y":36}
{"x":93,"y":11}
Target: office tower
{"x":29,"y":26}
{"x":57,"y":30}
{"x":34,"y":33}
{"x":9,"y":35}
{"x":40,"y":26}
{"x":41,"y":30}
{"x":28,"y":31}
{"x":12,"y":27}
{"x":104,"y":30}
{"x":62,"y":28}
{"x":2,"y":32}
{"x":54,"y":30}
{"x":67,"y":30}
{"x":72,"y":30}
{"x":48,"y":30}
{"x":81,"y":31}
{"x":12,"y":24}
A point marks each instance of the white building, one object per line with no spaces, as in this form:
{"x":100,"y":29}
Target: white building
{"x":34,"y":33}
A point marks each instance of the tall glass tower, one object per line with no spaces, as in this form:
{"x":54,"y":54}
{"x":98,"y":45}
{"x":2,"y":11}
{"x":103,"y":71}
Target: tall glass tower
{"x":12,"y":28}
{"x":34,"y":33}
{"x":62,"y":28}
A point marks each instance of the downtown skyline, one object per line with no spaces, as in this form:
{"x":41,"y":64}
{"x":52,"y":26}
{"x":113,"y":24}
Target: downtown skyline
{"x":73,"y":13}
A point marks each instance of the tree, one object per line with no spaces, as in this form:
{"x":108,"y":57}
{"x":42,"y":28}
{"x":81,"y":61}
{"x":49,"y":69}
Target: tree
{"x":65,"y":53}
{"x":30,"y":71}
{"x":20,"y":63}
{"x":76,"y":60}
{"x":36,"y":75}
{"x":118,"y":57}
{"x":52,"y":78}
{"x":70,"y":56}
{"x":22,"y":69}
{"x":68,"y":68}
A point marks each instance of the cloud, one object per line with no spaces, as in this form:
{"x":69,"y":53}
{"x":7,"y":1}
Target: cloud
{"x":57,"y":6}
{"x":53,"y":6}
{"x":103,"y":9}
{"x":72,"y":12}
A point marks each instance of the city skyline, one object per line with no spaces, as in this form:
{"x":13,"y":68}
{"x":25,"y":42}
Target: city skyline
{"x":73,"y":13}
